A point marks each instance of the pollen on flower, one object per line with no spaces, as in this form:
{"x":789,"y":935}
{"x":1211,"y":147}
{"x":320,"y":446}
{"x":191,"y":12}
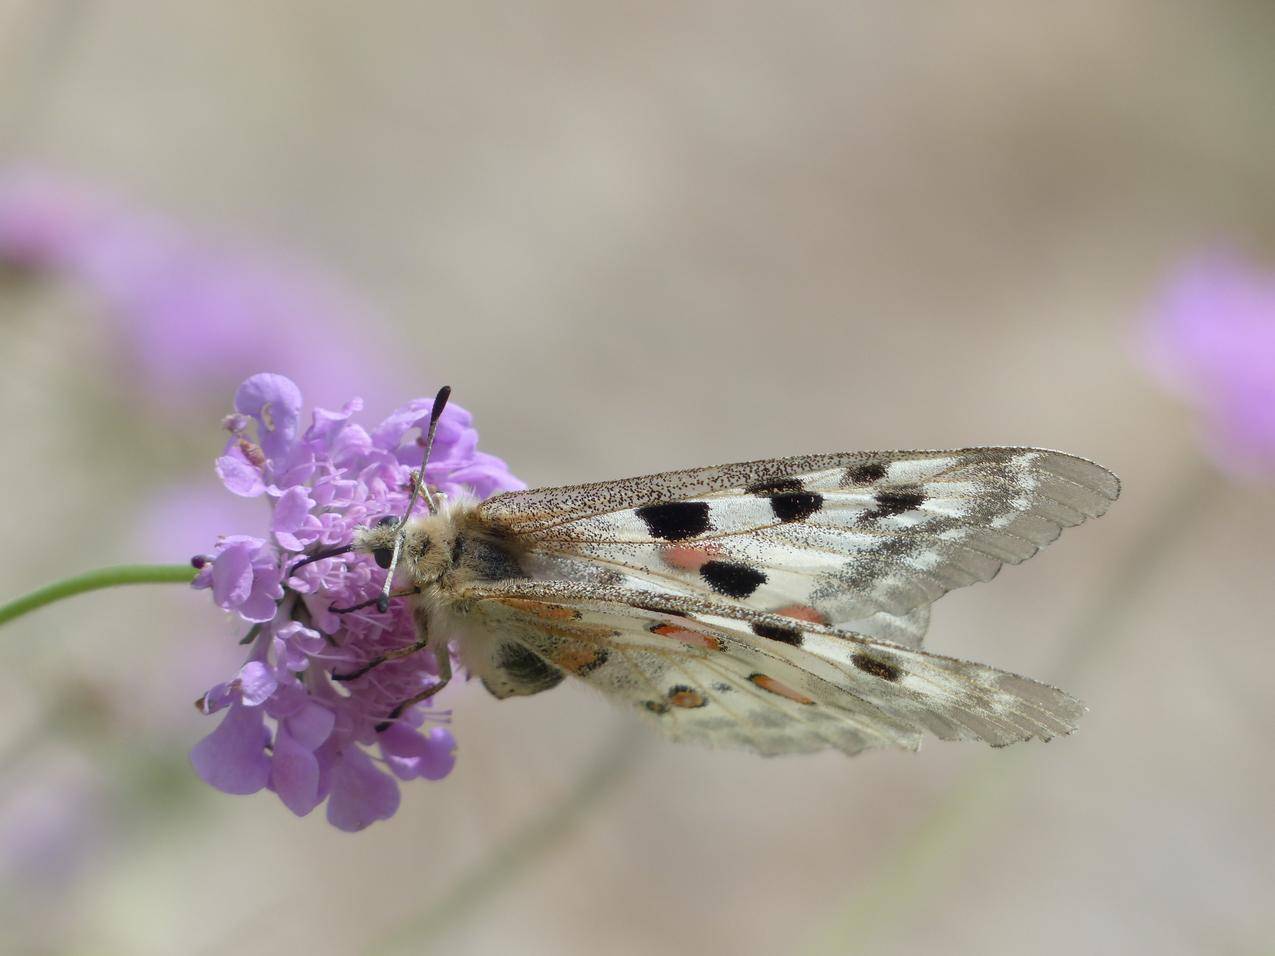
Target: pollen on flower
{"x":287,"y":726}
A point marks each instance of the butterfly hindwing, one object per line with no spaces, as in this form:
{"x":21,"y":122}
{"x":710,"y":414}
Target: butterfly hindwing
{"x":863,"y":541}
{"x":695,"y":682}
{"x":730,"y":676}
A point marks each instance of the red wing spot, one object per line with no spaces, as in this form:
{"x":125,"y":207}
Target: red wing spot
{"x":802,"y":612}
{"x":691,"y":638}
{"x":687,"y":697}
{"x":766,"y":682}
{"x":687,"y":558}
{"x":581,"y":660}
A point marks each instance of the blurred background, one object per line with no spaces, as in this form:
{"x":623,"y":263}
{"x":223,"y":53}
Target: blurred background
{"x":636,"y":237}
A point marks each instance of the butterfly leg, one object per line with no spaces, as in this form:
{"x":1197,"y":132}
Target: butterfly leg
{"x":421,"y":621}
{"x":395,"y":655}
{"x":371,"y":601}
{"x":444,"y":658}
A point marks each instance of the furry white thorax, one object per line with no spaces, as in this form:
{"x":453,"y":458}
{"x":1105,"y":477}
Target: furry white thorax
{"x":443,"y":554}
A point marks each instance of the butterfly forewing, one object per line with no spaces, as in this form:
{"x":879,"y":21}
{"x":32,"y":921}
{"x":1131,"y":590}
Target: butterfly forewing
{"x":864,"y":541}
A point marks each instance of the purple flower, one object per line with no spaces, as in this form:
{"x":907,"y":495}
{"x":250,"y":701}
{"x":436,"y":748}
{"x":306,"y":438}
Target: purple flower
{"x":245,"y":577}
{"x":1212,"y":339}
{"x":194,"y":316}
{"x":287,"y":726}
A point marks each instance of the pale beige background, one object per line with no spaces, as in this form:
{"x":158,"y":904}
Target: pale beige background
{"x":634,"y":237}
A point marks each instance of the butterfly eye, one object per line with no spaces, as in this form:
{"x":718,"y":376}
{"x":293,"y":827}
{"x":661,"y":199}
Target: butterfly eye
{"x":383,"y":556}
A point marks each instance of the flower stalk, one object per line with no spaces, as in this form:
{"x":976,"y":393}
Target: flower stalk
{"x":97,"y":580}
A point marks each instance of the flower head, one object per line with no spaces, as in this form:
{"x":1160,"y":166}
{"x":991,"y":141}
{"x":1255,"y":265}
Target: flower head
{"x":291,"y":724}
{"x":1212,"y":339}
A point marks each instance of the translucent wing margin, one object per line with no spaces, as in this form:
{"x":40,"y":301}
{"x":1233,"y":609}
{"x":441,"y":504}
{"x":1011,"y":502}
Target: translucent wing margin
{"x":864,"y":541}
{"x":726,"y":675}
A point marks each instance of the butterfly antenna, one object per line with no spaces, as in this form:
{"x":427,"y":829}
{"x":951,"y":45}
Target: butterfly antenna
{"x":418,"y":480}
{"x":418,"y":488}
{"x":319,"y":557}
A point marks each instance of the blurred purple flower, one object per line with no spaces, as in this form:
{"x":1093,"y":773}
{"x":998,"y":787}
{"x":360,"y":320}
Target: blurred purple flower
{"x":194,"y":317}
{"x":287,"y":726}
{"x":1212,"y":339}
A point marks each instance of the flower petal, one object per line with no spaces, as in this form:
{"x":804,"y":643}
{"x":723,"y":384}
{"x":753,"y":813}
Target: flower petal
{"x":361,"y":794}
{"x":232,"y":575}
{"x":440,"y":756}
{"x":240,"y":476}
{"x":411,"y":754}
{"x":311,"y":725}
{"x":294,"y":774}
{"x":256,"y":683}
{"x":291,"y":510}
{"x":389,"y":434}
{"x":233,"y":757}
{"x":267,"y":589}
{"x":275,"y":402}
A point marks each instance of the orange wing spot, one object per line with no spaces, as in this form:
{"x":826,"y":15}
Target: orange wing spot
{"x":548,"y":612}
{"x":802,"y":612}
{"x":686,"y":697}
{"x":766,"y":682}
{"x":686,"y":557}
{"x":581,"y":660}
{"x":691,"y":638}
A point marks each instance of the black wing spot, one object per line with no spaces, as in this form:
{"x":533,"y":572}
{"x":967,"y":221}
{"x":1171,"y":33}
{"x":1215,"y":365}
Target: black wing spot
{"x":865,"y":474}
{"x":722,"y":687}
{"x":733,"y":580}
{"x":795,"y":505}
{"x":881,"y":669}
{"x":527,"y":669}
{"x":656,"y":706}
{"x":778,"y":632}
{"x":897,"y":502}
{"x":774,"y":486}
{"x":676,"y":520}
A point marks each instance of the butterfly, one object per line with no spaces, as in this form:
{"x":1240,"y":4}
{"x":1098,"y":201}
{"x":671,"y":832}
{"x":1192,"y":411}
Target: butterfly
{"x":776,"y":606}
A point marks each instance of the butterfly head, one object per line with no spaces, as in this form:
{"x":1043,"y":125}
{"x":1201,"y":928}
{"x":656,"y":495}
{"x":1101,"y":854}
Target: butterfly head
{"x":380,"y":539}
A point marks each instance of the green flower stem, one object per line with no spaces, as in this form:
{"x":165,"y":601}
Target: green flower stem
{"x":910,"y":871}
{"x":95,"y":581}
